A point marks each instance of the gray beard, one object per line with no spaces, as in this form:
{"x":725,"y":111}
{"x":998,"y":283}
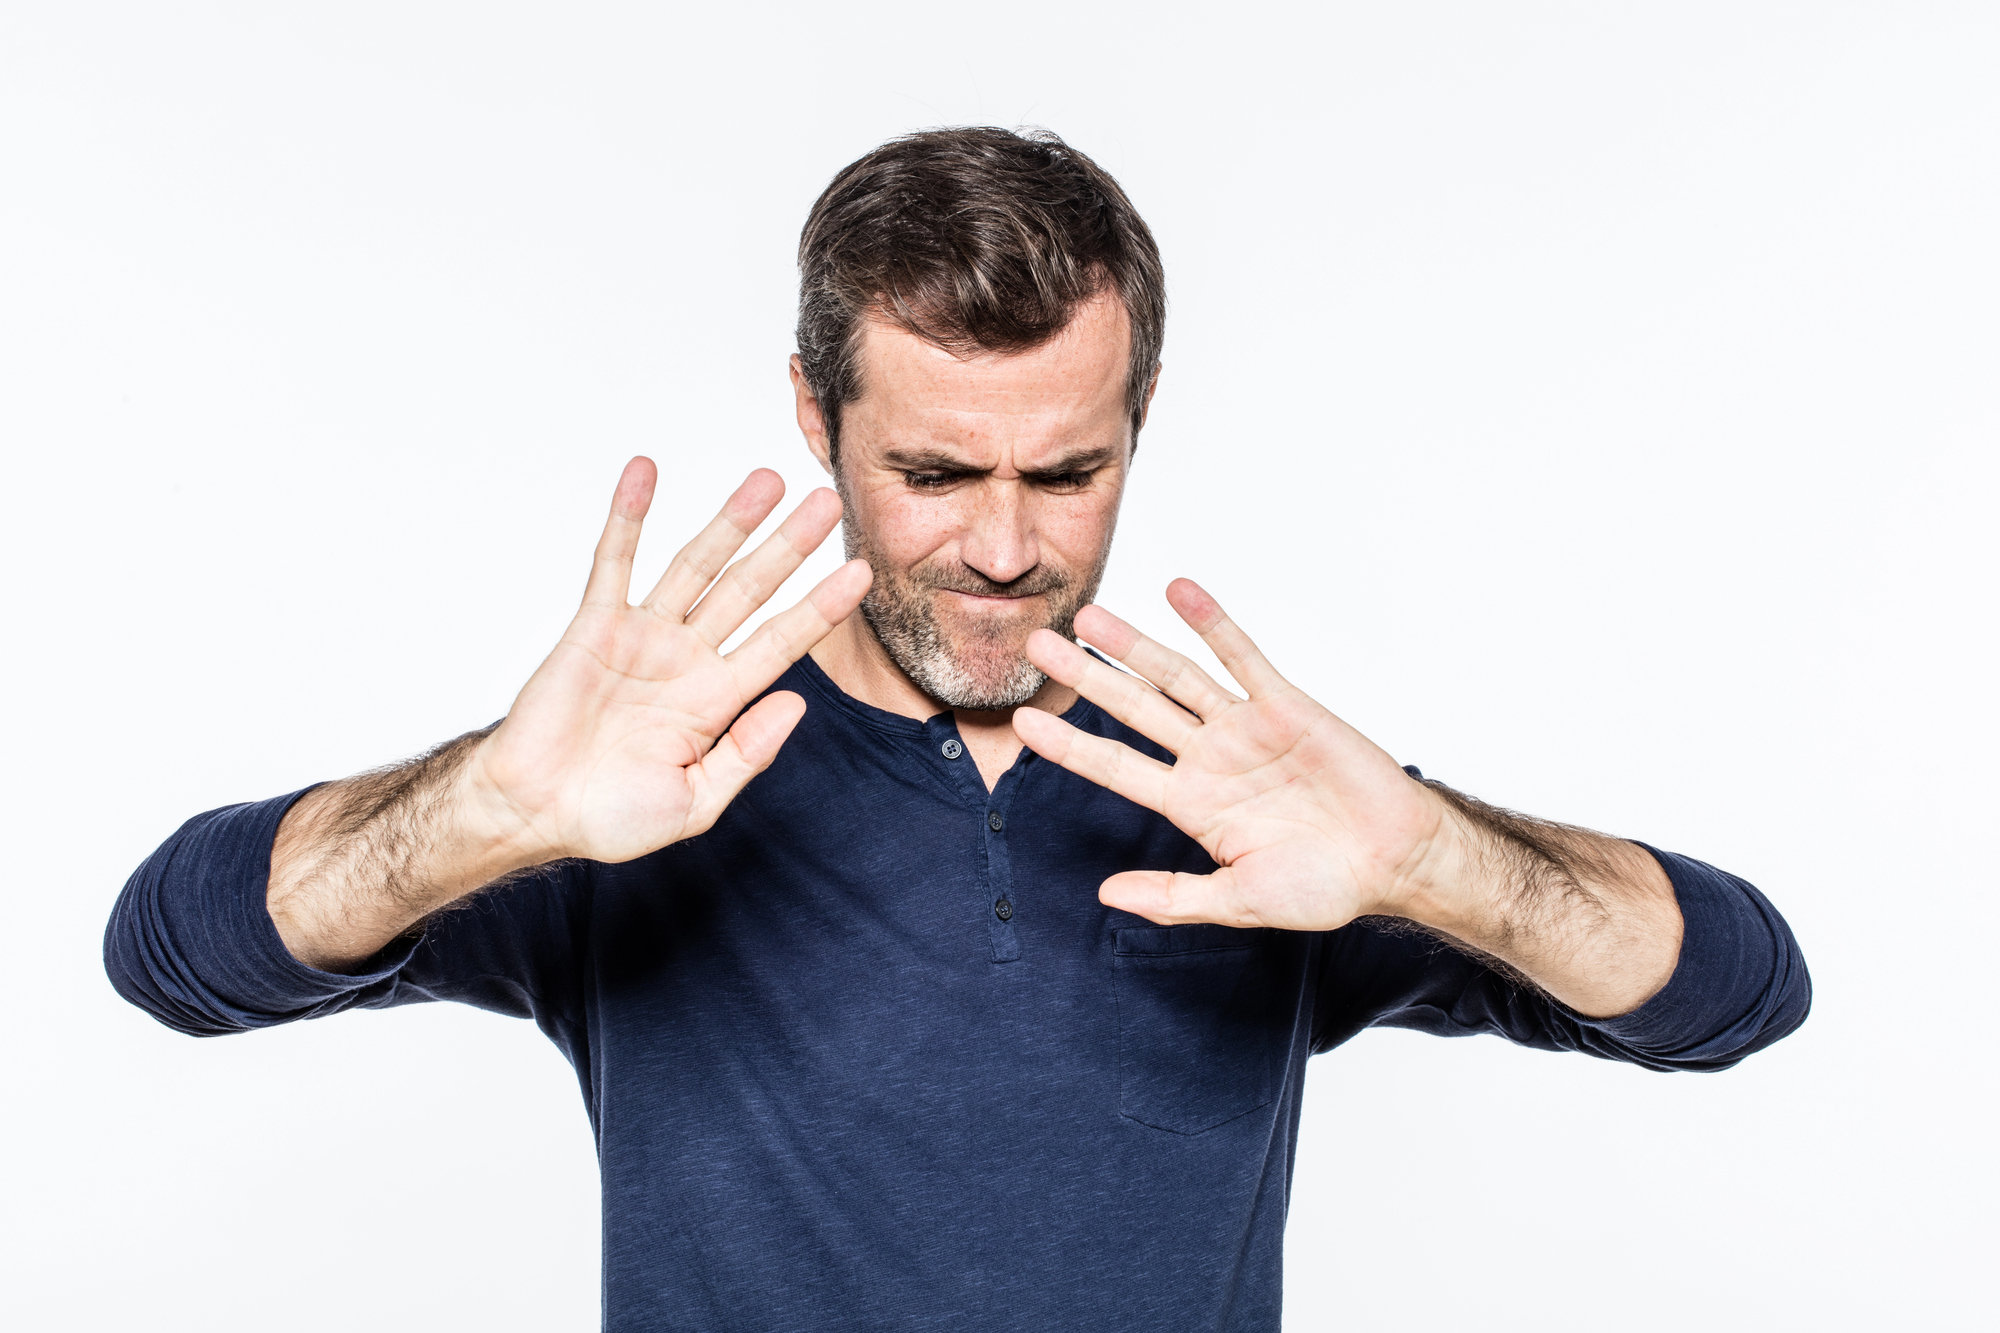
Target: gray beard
{"x":982,"y":672}
{"x":909,"y":632}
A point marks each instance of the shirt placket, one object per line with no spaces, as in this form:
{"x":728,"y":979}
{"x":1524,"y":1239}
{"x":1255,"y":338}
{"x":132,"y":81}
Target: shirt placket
{"x":992,"y":810}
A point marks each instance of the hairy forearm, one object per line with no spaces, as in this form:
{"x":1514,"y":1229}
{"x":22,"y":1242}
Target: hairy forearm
{"x":358,"y":862}
{"x":1590,"y":919}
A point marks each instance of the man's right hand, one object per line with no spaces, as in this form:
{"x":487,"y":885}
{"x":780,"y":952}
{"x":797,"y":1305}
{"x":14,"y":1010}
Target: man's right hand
{"x":620,"y":744}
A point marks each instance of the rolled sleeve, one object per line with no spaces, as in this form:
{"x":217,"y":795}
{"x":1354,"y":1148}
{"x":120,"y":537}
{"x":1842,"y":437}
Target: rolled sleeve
{"x":192,"y":942}
{"x":1740,"y":984}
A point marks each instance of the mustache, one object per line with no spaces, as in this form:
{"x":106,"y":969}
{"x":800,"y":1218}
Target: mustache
{"x":1034,"y":583}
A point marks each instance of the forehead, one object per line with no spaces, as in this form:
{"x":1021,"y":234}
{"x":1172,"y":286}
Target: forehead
{"x":1071,"y":386}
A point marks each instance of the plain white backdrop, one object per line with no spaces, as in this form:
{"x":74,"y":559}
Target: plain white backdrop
{"x":1595,"y":403}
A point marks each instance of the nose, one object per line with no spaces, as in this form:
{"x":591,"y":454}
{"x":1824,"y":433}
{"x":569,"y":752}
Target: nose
{"x":1000,"y":541}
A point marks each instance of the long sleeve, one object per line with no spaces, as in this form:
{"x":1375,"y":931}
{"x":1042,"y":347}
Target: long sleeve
{"x":1739,"y":985}
{"x":191,"y":942}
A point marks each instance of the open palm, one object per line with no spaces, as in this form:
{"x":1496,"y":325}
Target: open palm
{"x":1310,"y":823}
{"x":634,"y":733}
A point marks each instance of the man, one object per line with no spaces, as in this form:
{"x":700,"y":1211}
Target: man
{"x":920,"y":968}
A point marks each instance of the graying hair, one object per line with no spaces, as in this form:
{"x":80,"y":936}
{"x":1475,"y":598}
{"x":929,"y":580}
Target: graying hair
{"x":974,"y":239}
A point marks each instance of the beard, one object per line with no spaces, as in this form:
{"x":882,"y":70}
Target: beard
{"x":978,"y":663}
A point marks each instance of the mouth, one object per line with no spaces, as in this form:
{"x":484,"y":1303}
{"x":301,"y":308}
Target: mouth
{"x":992,"y":601}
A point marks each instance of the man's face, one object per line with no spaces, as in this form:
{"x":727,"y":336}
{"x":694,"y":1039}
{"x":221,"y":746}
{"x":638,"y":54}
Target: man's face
{"x":984,"y":493}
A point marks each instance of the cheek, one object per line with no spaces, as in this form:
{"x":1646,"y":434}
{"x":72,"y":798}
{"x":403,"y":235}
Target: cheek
{"x":1078,"y":527}
{"x":907,"y":529}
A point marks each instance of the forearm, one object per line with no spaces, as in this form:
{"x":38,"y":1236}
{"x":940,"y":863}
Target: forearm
{"x":1590,"y":919}
{"x":358,"y":862}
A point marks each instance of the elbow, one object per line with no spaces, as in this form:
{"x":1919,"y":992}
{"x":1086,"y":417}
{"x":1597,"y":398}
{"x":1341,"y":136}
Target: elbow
{"x":1739,"y":985}
{"x":157,"y":995}
{"x":1787,"y":1013}
{"x":1782,"y":1011}
{"x":148,"y":974}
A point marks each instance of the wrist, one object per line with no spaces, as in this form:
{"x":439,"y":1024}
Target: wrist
{"x":1428,"y":887}
{"x":498,"y":836}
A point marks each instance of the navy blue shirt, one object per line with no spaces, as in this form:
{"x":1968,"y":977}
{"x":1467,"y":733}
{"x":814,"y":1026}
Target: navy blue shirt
{"x":870,"y":1054}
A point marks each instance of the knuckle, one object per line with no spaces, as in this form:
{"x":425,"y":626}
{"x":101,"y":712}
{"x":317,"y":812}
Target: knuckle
{"x":782,"y":636}
{"x":794,"y":541}
{"x":750,"y":586}
{"x":1111,"y":763}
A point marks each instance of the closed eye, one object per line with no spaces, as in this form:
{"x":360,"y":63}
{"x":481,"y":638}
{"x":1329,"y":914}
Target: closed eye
{"x":934,"y":480}
{"x":1074,"y":480}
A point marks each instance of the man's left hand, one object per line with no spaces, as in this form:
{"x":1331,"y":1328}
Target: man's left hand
{"x":1312,"y":825}
{"x":1309,"y":822}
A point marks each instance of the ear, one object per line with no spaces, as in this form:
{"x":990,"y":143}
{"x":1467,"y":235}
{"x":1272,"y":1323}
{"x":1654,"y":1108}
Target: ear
{"x":1145,"y":407}
{"x":812,"y":421}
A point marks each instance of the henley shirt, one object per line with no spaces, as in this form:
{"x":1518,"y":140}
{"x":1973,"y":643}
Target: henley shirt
{"x":870,"y":1054}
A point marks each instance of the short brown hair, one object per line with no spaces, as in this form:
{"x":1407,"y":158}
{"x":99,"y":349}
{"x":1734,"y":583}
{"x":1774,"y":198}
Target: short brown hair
{"x":974,"y":239}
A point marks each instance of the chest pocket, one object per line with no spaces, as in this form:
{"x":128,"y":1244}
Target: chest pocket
{"x":1203,"y":1026}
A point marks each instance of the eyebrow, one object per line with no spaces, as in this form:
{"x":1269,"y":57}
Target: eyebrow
{"x":937,"y":460}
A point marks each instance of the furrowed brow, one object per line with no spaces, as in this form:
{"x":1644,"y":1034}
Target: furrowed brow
{"x":927,"y":460}
{"x":1081,"y":460}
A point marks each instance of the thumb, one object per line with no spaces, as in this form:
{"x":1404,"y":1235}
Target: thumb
{"x":744,"y":751}
{"x":1176,"y":899}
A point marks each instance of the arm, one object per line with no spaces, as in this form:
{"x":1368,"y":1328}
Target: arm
{"x":1590,"y":919}
{"x":357,"y":862}
{"x":1313,"y":826}
{"x":1740,"y":985}
{"x":192,"y":942}
{"x":635,"y":733}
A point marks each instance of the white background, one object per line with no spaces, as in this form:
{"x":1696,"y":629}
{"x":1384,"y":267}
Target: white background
{"x":1594,"y":403}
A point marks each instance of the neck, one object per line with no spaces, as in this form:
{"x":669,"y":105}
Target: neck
{"x":855,"y":660}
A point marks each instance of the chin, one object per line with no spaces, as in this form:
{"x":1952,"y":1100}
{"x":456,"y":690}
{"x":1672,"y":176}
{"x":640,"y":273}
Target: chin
{"x":983,"y":672}
{"x":988,"y":657}
{"x":963,"y":651}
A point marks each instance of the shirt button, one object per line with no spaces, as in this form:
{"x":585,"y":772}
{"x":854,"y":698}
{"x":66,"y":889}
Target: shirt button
{"x":952,"y":749}
{"x":994,"y":822}
{"x":1004,"y":910}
